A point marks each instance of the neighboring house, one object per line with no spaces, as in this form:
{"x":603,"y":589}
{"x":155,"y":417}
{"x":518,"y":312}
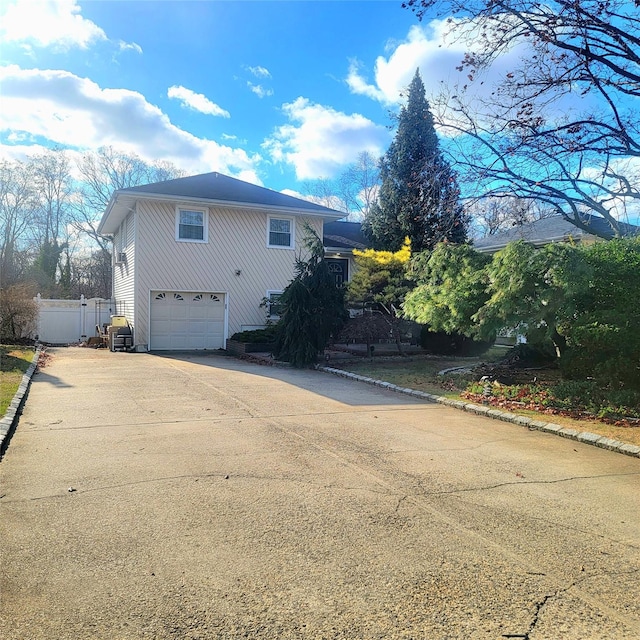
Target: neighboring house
{"x":340,"y":239}
{"x":548,"y":230}
{"x":195,"y":257}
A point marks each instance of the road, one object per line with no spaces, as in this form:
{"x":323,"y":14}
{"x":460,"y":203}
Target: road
{"x":148,"y":497}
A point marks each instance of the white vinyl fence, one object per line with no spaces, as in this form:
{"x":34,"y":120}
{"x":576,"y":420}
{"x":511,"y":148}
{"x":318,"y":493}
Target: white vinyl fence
{"x":68,"y":321}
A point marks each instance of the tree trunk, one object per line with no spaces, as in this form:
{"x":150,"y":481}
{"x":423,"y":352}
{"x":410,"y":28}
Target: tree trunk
{"x":559,"y":342}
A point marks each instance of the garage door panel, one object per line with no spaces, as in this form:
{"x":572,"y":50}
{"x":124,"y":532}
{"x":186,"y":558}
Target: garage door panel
{"x":182,"y":320}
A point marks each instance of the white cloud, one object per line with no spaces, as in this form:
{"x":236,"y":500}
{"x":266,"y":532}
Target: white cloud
{"x":259,"y":72}
{"x":49,"y":23}
{"x":196,"y":101}
{"x":71,"y":111}
{"x":129,"y":46}
{"x":431,"y":48}
{"x":259,"y":90}
{"x":359,"y":85}
{"x":319,"y":141}
{"x":436,"y":49}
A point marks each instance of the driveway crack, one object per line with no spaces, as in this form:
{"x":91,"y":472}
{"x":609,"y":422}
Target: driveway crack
{"x":539,"y":606}
{"x":525,"y":482}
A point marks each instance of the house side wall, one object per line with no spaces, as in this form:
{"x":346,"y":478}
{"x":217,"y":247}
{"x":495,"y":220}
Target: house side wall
{"x":237,"y":242}
{"x":124,"y":273}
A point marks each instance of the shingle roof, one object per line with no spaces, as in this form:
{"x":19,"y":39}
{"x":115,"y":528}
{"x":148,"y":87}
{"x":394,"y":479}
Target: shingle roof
{"x":214,"y":188}
{"x":547,"y":230}
{"x":218,"y":187}
{"x":343,"y":235}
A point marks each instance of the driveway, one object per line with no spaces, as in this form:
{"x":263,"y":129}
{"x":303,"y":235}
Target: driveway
{"x":204,"y":497}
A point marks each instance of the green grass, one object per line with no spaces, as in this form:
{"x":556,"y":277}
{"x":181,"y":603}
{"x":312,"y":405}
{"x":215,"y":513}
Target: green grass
{"x":14,"y":361}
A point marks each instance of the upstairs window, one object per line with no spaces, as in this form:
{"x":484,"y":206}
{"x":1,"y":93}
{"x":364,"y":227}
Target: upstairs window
{"x":280,"y":233}
{"x":191,"y":225}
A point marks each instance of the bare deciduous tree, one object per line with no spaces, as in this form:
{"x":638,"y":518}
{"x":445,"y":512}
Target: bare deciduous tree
{"x":53,"y":186}
{"x":353,"y":191}
{"x":16,"y":216}
{"x":562,"y":124}
{"x":105,"y":171}
{"x":492,"y":215}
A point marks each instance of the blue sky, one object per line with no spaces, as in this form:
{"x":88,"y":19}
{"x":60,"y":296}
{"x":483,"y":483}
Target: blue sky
{"x":277,"y":93}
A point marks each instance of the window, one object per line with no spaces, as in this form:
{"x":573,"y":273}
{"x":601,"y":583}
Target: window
{"x":191,"y":225}
{"x":280,"y":233}
{"x":273,"y":304}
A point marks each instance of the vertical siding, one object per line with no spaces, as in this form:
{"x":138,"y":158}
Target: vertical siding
{"x":124,"y":274}
{"x":237,"y":242}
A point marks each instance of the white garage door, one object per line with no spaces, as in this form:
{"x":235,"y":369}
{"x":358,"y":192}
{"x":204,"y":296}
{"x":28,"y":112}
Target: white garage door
{"x":183,"y":320}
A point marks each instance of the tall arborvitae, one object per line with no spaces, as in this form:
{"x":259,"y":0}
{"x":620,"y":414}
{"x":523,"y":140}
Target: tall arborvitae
{"x":419,"y":195}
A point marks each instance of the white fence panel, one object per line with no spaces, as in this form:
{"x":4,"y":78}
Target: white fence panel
{"x":68,"y":321}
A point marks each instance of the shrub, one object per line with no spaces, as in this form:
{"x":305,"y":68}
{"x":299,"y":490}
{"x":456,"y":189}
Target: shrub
{"x":591,"y":396}
{"x":603,"y":337}
{"x":446,"y":344}
{"x":368,"y":328}
{"x":266,"y":335}
{"x":18,"y":313}
{"x":531,"y":355}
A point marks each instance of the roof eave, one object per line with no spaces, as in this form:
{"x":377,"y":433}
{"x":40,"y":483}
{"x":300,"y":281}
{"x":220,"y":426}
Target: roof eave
{"x":322,"y":212}
{"x":345,"y":250}
{"x":119,"y":206}
{"x":104,"y":228}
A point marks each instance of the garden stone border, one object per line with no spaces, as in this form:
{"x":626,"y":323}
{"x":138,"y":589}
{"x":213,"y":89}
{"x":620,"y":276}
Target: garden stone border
{"x":10,"y":419}
{"x":549,"y":427}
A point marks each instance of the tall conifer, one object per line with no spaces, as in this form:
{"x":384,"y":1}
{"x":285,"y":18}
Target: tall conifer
{"x":419,"y":195}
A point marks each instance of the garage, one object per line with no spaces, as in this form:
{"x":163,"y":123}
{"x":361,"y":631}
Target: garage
{"x":183,"y":320}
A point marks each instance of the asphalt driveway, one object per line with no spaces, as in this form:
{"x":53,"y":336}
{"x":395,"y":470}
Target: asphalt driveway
{"x":205,"y":497}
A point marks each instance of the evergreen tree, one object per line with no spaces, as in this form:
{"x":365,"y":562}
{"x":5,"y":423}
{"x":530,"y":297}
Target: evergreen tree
{"x":419,"y":195}
{"x":379,"y":286}
{"x":312,"y":308}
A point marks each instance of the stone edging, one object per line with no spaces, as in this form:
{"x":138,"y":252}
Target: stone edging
{"x":10,"y":418}
{"x":549,"y":427}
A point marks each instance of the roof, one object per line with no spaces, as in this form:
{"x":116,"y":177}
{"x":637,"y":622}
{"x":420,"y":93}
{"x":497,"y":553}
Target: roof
{"x":208,"y":189}
{"x":344,"y":235}
{"x":548,"y":230}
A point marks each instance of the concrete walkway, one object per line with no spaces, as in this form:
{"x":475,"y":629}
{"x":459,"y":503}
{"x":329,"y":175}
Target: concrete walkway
{"x":205,"y":497}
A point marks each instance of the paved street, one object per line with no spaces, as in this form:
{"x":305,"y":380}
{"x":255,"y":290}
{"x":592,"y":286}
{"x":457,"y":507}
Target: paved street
{"x":148,"y":497}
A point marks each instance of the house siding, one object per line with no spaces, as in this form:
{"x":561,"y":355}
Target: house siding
{"x":124,"y":274}
{"x":237,"y":241}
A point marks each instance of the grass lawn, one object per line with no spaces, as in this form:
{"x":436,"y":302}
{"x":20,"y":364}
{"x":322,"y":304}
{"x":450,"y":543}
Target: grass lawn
{"x":422,"y":373}
{"x":14,"y":361}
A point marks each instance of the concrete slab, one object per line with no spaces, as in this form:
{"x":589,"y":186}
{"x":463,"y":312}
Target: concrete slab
{"x":204,"y":497}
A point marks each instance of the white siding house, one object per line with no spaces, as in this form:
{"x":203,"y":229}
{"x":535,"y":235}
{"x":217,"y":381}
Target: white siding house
{"x":195,"y":257}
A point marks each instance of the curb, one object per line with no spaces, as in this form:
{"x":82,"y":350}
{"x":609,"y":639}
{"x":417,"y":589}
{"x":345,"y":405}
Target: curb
{"x":548,"y":427}
{"x":10,"y":419}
